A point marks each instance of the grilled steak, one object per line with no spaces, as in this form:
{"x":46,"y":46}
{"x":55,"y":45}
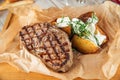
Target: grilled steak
{"x":48,"y":43}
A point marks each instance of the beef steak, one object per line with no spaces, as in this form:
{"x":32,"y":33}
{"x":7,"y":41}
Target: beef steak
{"x":48,"y":43}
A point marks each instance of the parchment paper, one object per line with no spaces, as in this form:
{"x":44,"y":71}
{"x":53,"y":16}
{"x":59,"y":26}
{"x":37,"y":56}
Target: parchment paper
{"x":102,"y":65}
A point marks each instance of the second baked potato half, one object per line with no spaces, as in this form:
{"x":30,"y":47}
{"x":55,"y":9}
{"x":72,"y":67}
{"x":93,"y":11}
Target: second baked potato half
{"x":91,"y":42}
{"x":84,"y":45}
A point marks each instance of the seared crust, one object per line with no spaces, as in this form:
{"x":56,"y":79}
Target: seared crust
{"x":48,"y":43}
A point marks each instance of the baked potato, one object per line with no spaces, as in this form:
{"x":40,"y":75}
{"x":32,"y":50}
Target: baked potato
{"x":67,"y":29}
{"x":64,"y":24}
{"x":86,"y":16}
{"x":83,"y":45}
{"x":85,"y":35}
{"x":86,"y":46}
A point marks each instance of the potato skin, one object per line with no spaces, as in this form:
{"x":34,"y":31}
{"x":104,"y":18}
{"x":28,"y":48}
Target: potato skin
{"x":67,"y":29}
{"x":84,"y":45}
{"x":86,"y":16}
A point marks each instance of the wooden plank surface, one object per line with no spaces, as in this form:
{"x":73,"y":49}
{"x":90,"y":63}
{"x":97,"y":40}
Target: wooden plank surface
{"x":8,"y":72}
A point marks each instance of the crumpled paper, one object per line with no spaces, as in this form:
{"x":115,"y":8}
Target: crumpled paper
{"x":102,"y":65}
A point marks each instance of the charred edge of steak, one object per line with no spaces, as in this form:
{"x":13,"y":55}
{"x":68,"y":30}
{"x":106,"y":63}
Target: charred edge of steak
{"x":47,"y":43}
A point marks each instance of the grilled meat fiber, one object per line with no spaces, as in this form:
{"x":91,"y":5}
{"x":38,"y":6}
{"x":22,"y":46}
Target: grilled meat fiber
{"x":48,"y":43}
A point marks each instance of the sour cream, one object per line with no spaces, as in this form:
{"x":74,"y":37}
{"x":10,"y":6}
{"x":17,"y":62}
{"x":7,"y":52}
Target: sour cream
{"x":100,"y":38}
{"x":92,"y":28}
{"x":97,"y":39}
{"x":63,"y":22}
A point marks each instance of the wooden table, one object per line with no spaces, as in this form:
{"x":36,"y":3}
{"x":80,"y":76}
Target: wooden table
{"x":8,"y":72}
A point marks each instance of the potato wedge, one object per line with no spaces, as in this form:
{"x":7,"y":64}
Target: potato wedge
{"x":67,"y":29}
{"x":87,"y":46}
{"x":84,"y":45}
{"x":86,"y":16}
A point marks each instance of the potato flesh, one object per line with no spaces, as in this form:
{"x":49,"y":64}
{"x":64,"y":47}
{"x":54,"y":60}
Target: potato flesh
{"x":84,"y":45}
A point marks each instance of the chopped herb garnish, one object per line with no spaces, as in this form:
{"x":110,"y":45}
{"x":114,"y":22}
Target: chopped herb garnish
{"x":92,"y":19}
{"x":81,"y":28}
{"x":96,"y":40}
{"x":62,"y":19}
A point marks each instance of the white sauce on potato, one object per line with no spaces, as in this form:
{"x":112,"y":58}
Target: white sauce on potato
{"x":92,"y":28}
{"x":63,"y":22}
{"x":98,"y":38}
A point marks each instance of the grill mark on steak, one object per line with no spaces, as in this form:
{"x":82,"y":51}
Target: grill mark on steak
{"x":53,"y":47}
{"x":57,"y":57}
{"x":28,"y":46}
{"x":67,"y":57}
{"x":47,"y":58}
{"x":47,"y":43}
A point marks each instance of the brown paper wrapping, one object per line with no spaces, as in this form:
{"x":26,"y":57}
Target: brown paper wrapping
{"x":102,"y":65}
